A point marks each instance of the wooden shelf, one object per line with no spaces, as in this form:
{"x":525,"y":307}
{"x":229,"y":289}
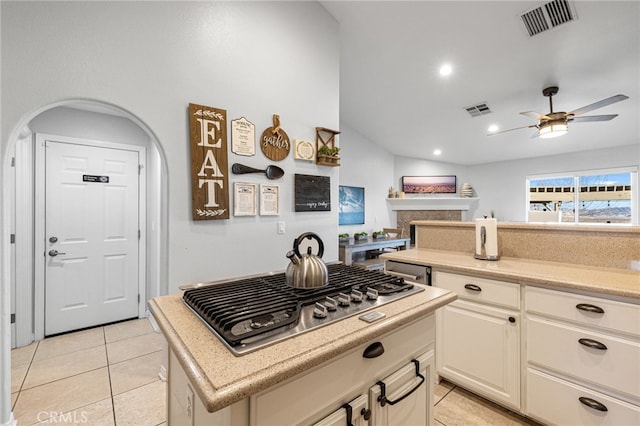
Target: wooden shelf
{"x":431,"y":203}
{"x":326,"y":138}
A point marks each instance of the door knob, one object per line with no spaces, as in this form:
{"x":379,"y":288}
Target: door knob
{"x":54,"y":253}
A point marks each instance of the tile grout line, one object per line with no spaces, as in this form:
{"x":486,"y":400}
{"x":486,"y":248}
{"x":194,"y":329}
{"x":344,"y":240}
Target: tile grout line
{"x":442,"y":399}
{"x":106,"y":353}
{"x":33,"y":356}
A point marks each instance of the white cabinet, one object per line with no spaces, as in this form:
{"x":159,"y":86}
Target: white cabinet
{"x":352,"y":413}
{"x":326,"y":388}
{"x":406,"y":396}
{"x":583,"y":359}
{"x":320,"y":395}
{"x":478,"y":337}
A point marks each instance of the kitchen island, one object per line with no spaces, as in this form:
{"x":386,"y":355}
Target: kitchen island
{"x":224,"y":383}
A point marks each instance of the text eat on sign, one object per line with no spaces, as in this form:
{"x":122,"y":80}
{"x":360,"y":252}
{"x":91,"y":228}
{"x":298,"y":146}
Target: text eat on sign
{"x":209,"y":162}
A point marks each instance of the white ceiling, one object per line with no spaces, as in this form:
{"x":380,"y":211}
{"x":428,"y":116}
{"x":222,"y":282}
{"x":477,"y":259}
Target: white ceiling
{"x":391,"y":91}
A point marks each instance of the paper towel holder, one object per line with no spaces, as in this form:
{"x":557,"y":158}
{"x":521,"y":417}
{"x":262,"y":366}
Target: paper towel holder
{"x":483,"y":250}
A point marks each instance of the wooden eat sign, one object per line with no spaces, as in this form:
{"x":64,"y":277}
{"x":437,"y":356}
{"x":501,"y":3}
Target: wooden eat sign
{"x":209,"y":162}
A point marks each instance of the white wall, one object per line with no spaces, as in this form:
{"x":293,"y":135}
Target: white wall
{"x":405,"y":166}
{"x":152,"y":59}
{"x":365,"y":164}
{"x":501,"y":186}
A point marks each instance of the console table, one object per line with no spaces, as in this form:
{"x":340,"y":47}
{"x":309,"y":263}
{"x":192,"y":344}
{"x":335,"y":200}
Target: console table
{"x":352,"y":246}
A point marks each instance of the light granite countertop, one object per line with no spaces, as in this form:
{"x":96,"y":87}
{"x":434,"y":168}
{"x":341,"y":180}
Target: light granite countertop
{"x":220,"y":378}
{"x":605,"y":281}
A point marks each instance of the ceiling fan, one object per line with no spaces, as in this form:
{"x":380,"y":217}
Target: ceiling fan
{"x":555,"y":124}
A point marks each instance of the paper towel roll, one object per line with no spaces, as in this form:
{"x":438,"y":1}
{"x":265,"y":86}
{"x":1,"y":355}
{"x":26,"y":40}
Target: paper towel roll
{"x":487,"y":239}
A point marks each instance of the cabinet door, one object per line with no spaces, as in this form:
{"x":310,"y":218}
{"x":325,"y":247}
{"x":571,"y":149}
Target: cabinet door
{"x":340,"y":417}
{"x":478,"y":347}
{"x":411,"y":395}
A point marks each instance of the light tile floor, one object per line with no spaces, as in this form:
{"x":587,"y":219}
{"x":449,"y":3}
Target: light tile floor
{"x":109,"y":376}
{"x":101,"y":376}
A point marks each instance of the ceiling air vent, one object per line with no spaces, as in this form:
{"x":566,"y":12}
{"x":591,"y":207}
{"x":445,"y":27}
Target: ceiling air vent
{"x":480,"y":109}
{"x":549,"y":15}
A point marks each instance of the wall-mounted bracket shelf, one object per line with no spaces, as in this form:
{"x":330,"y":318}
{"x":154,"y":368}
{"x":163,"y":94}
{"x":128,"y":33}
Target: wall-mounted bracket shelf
{"x":431,"y":203}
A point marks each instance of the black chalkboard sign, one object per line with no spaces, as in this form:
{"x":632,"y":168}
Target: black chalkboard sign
{"x":312,"y":193}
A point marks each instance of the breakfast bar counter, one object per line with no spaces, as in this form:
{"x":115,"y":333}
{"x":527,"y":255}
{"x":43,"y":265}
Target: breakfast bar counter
{"x":563,"y":276}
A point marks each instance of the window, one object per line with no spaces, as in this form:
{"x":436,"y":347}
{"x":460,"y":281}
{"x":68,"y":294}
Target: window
{"x":600,"y":196}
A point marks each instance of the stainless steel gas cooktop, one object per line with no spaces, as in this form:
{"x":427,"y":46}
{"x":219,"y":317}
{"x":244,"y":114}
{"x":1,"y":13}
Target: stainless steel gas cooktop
{"x":251,"y":313}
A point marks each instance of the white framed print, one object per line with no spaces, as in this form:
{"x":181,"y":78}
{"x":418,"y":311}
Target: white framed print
{"x":304,"y":150}
{"x":269,"y":200}
{"x":243,"y":137}
{"x":244,"y":199}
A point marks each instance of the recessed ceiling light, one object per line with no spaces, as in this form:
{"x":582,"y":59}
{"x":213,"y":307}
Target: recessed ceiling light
{"x":437,"y":151}
{"x":493,"y":128}
{"x":445,"y":70}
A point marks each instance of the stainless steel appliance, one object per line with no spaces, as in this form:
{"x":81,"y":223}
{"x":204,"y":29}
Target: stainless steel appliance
{"x":412,"y":273}
{"x":253,"y":312}
{"x":306,"y":270}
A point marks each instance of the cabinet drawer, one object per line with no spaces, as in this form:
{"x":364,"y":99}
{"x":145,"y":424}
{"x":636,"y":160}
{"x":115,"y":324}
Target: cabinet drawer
{"x":557,"y":347}
{"x":557,"y":402}
{"x":591,"y":311}
{"x":337,"y":381}
{"x":498,"y":293}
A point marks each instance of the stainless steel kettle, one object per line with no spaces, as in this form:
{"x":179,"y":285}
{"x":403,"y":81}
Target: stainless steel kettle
{"x":308,"y":270}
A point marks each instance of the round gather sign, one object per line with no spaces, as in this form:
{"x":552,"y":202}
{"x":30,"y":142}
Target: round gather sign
{"x":274,"y":141}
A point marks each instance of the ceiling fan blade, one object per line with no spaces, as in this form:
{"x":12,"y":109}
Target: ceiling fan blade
{"x":509,"y":130}
{"x":599,"y":104}
{"x":535,"y":115}
{"x":586,"y":118}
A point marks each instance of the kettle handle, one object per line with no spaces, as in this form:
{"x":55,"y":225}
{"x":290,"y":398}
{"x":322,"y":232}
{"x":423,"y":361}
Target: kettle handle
{"x":308,"y":235}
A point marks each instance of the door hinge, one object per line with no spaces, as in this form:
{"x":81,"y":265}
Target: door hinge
{"x":12,"y":238}
{"x":138,"y":298}
{"x":13,"y":161}
{"x":13,"y":318}
{"x":139,"y":233}
{"x":139,"y":169}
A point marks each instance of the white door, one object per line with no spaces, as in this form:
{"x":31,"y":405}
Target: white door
{"x":92,"y":237}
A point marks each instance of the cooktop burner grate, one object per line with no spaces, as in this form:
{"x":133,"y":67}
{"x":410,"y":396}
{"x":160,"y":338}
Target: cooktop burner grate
{"x":239,"y":311}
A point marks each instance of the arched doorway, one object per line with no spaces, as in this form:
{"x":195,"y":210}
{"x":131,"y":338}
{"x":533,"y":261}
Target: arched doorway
{"x":92,"y":120}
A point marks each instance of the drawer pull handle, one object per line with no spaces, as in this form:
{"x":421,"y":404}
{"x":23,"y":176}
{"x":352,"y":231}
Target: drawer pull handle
{"x":383,"y":400}
{"x":472,"y":287}
{"x":592,"y":403}
{"x":590,"y":308}
{"x":593,"y":344}
{"x":374,"y":350}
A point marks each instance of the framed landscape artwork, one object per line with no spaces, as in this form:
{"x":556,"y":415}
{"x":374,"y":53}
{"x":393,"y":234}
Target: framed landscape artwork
{"x":429,"y":184}
{"x":351,"y":205}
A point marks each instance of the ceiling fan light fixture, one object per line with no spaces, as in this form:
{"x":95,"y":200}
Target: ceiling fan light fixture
{"x":553,"y":129}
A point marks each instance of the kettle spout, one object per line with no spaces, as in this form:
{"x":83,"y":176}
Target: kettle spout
{"x":292,"y":257}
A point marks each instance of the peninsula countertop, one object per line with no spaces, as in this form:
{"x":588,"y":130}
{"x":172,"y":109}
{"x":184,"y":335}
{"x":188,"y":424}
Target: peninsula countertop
{"x":605,"y":281}
{"x":220,"y":378}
